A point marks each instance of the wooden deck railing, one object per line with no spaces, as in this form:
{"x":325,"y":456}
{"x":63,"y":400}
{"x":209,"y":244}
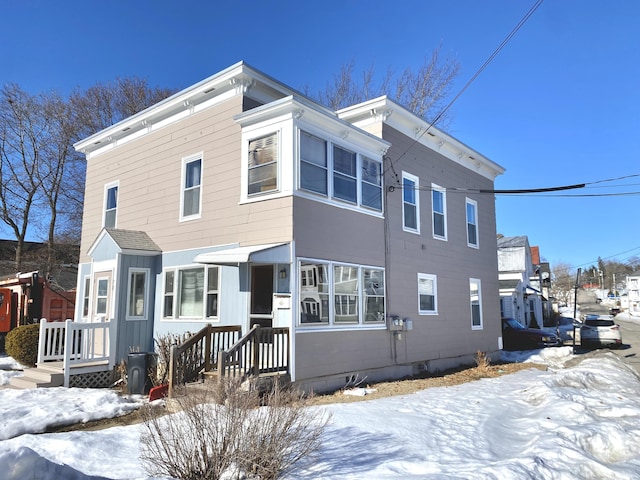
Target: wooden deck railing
{"x":262,"y":350}
{"x":199,"y":353}
{"x":75,"y":344}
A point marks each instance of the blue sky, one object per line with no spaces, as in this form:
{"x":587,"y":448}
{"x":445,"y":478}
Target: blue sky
{"x":557,"y":106}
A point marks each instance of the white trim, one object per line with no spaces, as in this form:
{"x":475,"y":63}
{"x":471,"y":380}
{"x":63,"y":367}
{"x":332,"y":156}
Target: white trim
{"x":469,"y":201}
{"x":86,"y":295}
{"x":416,"y":190}
{"x":434,"y":281}
{"x":443,"y":191}
{"x":248,"y":135}
{"x":185,"y":161}
{"x":147,"y":281}
{"x":176,"y":293}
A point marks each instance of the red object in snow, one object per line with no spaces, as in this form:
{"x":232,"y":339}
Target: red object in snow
{"x":156,"y":393}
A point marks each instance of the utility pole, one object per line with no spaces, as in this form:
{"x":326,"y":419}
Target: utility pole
{"x":575,"y":307}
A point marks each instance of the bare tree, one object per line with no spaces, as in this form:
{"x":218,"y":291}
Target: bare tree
{"x":23,"y":130}
{"x":562,"y":282}
{"x":423,"y":91}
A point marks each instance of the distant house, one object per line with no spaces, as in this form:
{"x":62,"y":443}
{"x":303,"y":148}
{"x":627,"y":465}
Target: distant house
{"x":633,"y":293}
{"x":239,"y":202}
{"x":519,"y":299}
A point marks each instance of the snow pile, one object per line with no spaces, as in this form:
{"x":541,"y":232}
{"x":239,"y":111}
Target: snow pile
{"x":577,"y":422}
{"x":35,"y":410}
{"x":8,"y":368}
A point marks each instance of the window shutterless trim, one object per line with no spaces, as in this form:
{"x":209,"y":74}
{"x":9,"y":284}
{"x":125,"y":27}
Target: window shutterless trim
{"x":478,"y":283}
{"x":434,"y":284}
{"x":107,"y":209}
{"x":410,"y":202}
{"x":147,"y":276}
{"x":436,"y":189}
{"x":184,"y":189}
{"x":474,"y":205}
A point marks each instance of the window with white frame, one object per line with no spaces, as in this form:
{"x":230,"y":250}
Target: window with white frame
{"x":371,"y":184}
{"x":472,"y":223}
{"x":345,"y":182}
{"x":102,"y":295}
{"x":263,"y":165}
{"x":341,"y":295}
{"x":191,"y":292}
{"x":439,"y":207}
{"x":333,"y":171}
{"x":191,"y":195}
{"x":313,"y":164}
{"x":475,"y":293}
{"x":427,"y":294}
{"x":86,"y":296}
{"x":410,"y":203}
{"x":137,"y":294}
{"x":110,"y":205}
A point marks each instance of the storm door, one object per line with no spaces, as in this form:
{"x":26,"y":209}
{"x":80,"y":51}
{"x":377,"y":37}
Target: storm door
{"x":261,"y":308}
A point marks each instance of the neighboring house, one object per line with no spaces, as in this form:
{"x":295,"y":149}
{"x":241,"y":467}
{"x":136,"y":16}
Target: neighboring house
{"x":541,"y":281}
{"x":519,"y":299}
{"x":633,"y":293}
{"x":366,"y":232}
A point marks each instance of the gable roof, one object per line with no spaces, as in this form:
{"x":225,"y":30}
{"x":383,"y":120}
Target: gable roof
{"x":128,"y":241}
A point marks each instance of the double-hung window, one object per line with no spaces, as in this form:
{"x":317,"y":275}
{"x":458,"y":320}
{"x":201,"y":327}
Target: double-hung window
{"x":313,"y":163}
{"x":341,"y":295}
{"x":345,"y":182}
{"x":427,"y":294}
{"x":263,"y":165}
{"x":191,"y":195}
{"x":110,"y":205}
{"x":338,"y":173}
{"x":475,"y":294}
{"x":191,"y":292}
{"x":410,"y":203}
{"x":439,"y":206}
{"x":137,"y":294}
{"x":472,"y":223}
{"x":371,"y":183}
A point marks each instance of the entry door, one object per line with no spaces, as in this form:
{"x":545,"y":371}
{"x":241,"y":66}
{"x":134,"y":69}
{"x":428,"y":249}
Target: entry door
{"x":261,"y":312}
{"x":102,"y":295}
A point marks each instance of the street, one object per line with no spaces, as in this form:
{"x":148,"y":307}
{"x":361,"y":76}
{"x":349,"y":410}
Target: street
{"x":630,"y":331}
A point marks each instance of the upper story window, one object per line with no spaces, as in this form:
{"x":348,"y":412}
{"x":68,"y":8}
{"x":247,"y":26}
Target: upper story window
{"x":263,"y":165}
{"x":345,"y":183}
{"x":334,"y":171}
{"x":410,"y":203}
{"x":371,"y":183}
{"x":110,"y":205}
{"x":191,"y":195}
{"x":439,"y":206}
{"x":313,"y":164}
{"x":472,"y":223}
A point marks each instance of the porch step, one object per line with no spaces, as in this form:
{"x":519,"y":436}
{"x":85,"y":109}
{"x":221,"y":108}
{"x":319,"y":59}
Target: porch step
{"x":39,"y":377}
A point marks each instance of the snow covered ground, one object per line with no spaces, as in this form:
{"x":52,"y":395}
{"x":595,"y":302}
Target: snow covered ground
{"x":578,"y":420}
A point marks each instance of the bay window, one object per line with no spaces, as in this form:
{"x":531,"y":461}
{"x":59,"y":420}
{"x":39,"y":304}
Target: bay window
{"x":341,"y":295}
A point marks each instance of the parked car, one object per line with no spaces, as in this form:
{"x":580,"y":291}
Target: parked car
{"x":516,"y":336}
{"x":565,"y":328}
{"x":599,"y":330}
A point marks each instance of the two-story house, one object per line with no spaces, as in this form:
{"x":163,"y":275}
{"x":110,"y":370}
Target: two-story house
{"x":366,"y":232}
{"x":520,"y":294}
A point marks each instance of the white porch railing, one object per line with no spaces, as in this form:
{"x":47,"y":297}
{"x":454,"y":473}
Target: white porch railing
{"x":75,"y":344}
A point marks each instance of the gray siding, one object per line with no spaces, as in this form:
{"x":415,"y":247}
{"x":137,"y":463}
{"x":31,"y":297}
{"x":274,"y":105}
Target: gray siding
{"x":134,"y":335}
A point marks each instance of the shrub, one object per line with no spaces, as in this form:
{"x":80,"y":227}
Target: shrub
{"x":22,"y":344}
{"x":224,"y":432}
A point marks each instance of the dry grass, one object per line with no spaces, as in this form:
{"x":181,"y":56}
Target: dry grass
{"x":421,"y":382}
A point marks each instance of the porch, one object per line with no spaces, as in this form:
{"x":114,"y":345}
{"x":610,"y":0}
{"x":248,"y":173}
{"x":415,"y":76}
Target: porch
{"x":71,"y":354}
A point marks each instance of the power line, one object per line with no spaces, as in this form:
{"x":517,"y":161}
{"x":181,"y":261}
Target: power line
{"x":472,"y":79}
